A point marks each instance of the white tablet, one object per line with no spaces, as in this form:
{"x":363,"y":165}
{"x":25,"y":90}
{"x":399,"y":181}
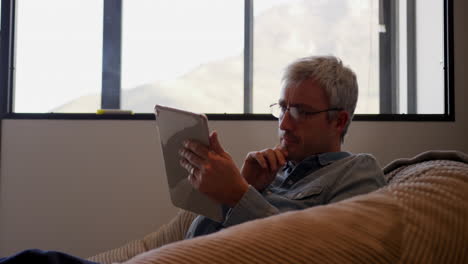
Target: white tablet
{"x":175,"y":126}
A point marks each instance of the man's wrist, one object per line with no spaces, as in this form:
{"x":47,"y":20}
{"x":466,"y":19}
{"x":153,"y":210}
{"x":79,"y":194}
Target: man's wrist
{"x":237,"y":196}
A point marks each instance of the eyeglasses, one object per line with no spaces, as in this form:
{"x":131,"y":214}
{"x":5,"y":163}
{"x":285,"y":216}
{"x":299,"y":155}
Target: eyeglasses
{"x":297,"y":113}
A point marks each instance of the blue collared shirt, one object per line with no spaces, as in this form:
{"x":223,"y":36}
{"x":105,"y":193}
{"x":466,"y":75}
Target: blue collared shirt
{"x":317,"y":180}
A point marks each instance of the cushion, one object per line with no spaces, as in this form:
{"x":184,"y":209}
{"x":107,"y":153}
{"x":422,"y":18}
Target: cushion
{"x":420,"y":217}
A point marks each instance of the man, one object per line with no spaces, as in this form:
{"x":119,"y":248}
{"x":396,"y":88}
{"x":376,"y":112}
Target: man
{"x":307,"y":168}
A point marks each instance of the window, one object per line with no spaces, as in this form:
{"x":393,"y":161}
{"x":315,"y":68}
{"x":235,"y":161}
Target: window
{"x":58,"y":64}
{"x":415,"y":57}
{"x":220,"y":56}
{"x":183,"y":53}
{"x":290,"y":29}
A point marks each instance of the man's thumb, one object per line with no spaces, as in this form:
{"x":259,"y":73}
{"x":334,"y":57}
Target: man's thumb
{"x":214,"y":143}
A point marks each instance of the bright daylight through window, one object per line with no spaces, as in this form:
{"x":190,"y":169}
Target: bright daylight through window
{"x":190,"y":54}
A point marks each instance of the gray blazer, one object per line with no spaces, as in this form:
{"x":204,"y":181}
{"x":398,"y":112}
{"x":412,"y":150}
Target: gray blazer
{"x":328,"y":178}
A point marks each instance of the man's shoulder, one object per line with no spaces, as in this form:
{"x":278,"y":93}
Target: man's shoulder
{"x":360,"y":158}
{"x":355,"y":167}
{"x":355,"y":163}
{"x":353,"y":173}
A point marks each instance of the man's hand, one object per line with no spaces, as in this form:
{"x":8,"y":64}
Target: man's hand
{"x":212,"y":171}
{"x":260,"y":167}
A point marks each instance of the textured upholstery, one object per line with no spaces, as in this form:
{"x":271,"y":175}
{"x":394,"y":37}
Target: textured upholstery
{"x":421,"y":216}
{"x":173,"y":231}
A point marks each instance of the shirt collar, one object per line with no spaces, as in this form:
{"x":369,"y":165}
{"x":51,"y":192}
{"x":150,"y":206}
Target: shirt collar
{"x":323,"y":158}
{"x":330,"y":157}
{"x":293,"y":173}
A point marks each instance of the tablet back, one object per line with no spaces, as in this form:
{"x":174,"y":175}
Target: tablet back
{"x":175,"y":126}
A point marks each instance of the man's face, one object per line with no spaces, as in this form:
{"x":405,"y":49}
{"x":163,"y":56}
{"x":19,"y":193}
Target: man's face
{"x":311,"y":134}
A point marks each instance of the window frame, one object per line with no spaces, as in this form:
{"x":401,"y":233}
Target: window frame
{"x":111,"y":83}
{"x":112,"y":55}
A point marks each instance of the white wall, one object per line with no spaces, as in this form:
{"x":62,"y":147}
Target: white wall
{"x":86,"y":186}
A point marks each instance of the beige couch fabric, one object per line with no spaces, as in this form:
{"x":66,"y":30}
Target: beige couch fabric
{"x":420,"y":217}
{"x":173,"y":231}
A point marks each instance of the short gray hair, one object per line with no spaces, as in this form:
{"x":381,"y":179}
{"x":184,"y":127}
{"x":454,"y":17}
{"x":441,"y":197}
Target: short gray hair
{"x":339,"y":82}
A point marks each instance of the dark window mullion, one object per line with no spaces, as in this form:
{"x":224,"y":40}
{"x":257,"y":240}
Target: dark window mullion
{"x":111,"y":54}
{"x":7,"y":52}
{"x":411,"y":51}
{"x":448,"y":59}
{"x":248,"y":56}
{"x":388,"y":51}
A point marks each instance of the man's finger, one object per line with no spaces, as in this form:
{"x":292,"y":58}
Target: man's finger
{"x":258,"y":156}
{"x":280,"y":157}
{"x":185,"y":164}
{"x":197,"y":148}
{"x":214,"y":143}
{"x":271,"y":158}
{"x":193,"y":159}
{"x":283,"y":149}
{"x":192,"y":178}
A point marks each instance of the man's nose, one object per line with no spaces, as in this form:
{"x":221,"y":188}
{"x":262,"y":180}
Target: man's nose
{"x":287,"y":121}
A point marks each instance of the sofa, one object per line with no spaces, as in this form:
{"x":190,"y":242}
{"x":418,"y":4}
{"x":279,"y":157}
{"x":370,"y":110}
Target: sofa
{"x":420,"y":216}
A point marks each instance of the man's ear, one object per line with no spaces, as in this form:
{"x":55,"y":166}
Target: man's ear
{"x":341,"y":121}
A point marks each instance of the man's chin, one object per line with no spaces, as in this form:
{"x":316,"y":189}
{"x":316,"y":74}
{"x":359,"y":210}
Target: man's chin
{"x":286,"y":146}
{"x":292,"y":151}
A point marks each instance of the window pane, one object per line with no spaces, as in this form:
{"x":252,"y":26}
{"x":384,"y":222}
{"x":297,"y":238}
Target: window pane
{"x":58,"y":56}
{"x":289,"y":29}
{"x":430,"y":56}
{"x":183,"y":53}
